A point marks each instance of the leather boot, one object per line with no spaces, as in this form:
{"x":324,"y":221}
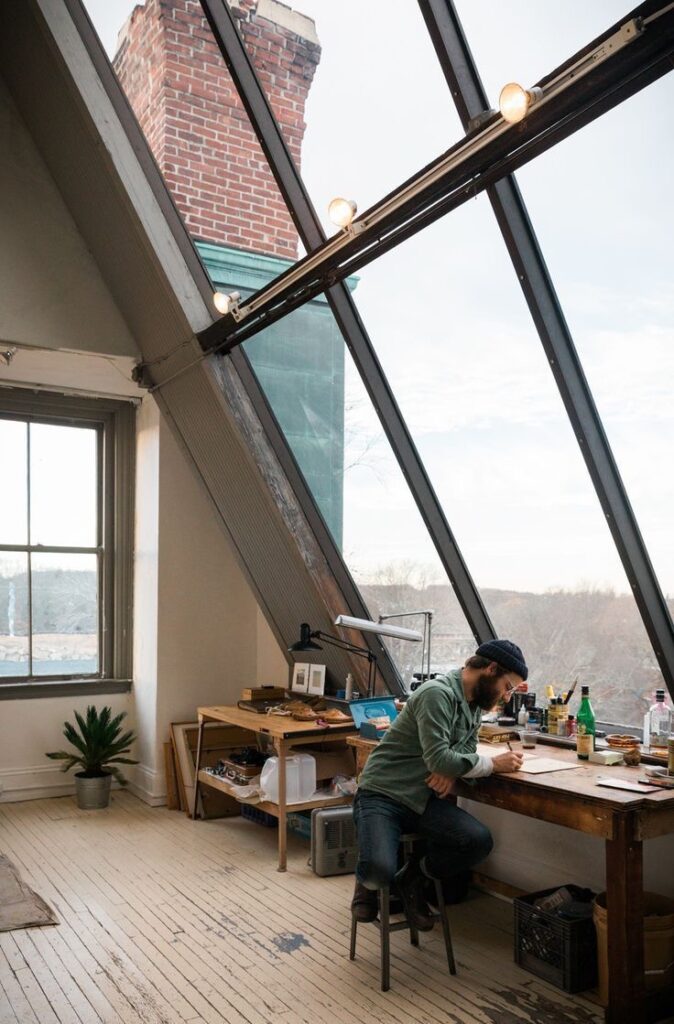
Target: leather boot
{"x":364,"y":905}
{"x":410,"y":885}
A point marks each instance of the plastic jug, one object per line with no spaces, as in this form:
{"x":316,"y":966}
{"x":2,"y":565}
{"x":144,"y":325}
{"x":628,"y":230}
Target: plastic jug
{"x":300,"y":778}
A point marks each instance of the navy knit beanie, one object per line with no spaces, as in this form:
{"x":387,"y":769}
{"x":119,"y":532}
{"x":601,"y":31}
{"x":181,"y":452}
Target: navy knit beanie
{"x":506,"y":654}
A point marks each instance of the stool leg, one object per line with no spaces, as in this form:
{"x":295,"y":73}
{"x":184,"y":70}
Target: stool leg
{"x":408,"y":847}
{"x":385,"y":936}
{"x":354,"y":925}
{"x":445,"y":925}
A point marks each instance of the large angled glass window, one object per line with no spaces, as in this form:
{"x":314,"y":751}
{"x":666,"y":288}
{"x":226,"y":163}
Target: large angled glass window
{"x":607,"y":239}
{"x":377,"y":109}
{"x":520,"y":41}
{"x":475,"y":388}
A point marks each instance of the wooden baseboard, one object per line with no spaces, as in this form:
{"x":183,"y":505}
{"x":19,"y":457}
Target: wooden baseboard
{"x":495,"y":887}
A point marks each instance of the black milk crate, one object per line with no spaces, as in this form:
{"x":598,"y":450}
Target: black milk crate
{"x":560,"y":951}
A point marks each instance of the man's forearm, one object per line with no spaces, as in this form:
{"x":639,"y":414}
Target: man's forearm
{"x":484,"y":767}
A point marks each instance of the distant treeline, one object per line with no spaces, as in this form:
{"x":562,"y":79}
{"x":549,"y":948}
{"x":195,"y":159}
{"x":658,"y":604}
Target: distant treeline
{"x":596,"y":635}
{"x":64,"y":601}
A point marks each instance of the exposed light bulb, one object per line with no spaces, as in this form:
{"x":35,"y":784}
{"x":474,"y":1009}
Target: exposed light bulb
{"x":225,"y":303}
{"x":342,"y":211}
{"x":514,"y":101}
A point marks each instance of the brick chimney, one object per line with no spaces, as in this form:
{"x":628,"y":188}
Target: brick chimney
{"x":193,"y":119}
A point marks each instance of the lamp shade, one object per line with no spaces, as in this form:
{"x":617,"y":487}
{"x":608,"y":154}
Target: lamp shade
{"x":305,"y":643}
{"x":367,"y":626}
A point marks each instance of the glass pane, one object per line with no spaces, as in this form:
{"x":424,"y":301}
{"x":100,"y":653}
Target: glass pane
{"x":65,"y":614}
{"x":522,"y":42}
{"x":616,"y":289}
{"x":338,"y":442}
{"x":13,"y":507}
{"x":475,"y":388}
{"x":370,"y":129}
{"x":14,"y":655}
{"x":63,"y":485}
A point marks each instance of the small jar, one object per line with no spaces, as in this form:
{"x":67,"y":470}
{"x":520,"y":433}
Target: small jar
{"x":571,"y":725}
{"x":670,"y":755}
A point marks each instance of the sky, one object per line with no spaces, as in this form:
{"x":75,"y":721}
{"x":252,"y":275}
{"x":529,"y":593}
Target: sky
{"x":448,"y":320}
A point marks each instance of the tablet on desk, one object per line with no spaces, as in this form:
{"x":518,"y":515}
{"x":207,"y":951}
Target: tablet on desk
{"x":631,"y":787}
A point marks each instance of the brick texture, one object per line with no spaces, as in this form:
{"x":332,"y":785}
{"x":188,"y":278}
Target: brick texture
{"x":193,"y":119}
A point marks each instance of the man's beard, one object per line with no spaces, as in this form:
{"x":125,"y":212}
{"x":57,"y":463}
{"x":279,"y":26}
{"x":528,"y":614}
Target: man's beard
{"x":487,"y":692}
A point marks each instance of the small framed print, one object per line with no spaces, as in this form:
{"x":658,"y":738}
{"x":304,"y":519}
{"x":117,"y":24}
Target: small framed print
{"x":300,"y":681}
{"x":316,"y":680}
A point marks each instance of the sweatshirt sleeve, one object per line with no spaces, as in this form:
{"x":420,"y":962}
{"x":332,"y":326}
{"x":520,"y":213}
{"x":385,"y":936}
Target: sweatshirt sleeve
{"x":436,"y":713}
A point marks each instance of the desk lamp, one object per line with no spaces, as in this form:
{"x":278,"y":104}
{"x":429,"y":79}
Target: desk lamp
{"x":381,"y":628}
{"x":309,"y":635}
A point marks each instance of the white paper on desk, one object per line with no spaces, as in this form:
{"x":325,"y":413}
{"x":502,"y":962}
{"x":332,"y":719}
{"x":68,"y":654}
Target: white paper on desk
{"x":632,"y":787}
{"x":537,"y":765}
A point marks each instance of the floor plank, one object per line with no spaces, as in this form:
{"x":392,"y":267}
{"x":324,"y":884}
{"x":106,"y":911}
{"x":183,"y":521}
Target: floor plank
{"x":168,"y":921}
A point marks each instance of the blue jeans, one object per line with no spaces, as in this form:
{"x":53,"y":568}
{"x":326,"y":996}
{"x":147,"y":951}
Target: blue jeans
{"x":454,"y":840}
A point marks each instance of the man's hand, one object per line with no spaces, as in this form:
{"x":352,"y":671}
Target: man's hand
{"x":442,"y":785}
{"x":509,"y":762}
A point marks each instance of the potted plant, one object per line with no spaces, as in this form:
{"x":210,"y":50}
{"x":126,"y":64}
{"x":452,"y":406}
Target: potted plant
{"x":98,"y":745}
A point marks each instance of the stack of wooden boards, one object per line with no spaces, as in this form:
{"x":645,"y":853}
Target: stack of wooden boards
{"x":180,"y":758}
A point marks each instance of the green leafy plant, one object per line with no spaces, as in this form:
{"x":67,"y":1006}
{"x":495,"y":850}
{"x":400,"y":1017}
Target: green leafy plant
{"x":98,"y":745}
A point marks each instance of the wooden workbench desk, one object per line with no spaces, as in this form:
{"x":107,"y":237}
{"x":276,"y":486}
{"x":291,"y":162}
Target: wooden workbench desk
{"x":622,"y":819}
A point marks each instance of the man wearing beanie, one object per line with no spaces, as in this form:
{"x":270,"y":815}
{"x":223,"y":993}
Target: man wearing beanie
{"x":407,"y":779}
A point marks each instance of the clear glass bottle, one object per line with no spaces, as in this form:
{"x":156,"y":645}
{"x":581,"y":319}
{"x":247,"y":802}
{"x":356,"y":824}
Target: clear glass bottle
{"x":659,"y":724}
{"x":585,"y":726}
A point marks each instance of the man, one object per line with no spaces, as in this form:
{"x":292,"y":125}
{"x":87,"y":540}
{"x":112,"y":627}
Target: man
{"x":407,"y":778}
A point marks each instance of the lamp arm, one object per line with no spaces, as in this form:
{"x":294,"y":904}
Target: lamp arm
{"x":403,"y":615}
{"x":344,"y":645}
{"x":364,"y":652}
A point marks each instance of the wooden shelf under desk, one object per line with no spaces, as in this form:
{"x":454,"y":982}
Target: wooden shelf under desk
{"x":285,"y":735}
{"x":266,"y":805}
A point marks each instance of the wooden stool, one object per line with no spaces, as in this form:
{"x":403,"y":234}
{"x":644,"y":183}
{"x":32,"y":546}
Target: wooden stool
{"x":383,"y":922}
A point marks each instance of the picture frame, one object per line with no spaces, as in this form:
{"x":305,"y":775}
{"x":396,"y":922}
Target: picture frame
{"x":300,"y":680}
{"x":316,"y":680}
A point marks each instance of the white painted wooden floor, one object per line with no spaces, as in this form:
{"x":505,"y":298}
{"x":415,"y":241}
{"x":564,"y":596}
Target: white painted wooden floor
{"x":169,"y":921}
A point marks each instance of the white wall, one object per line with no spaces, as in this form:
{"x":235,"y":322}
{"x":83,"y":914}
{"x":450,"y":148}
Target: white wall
{"x":52,"y":294}
{"x":28,"y":729}
{"x":199,"y":635}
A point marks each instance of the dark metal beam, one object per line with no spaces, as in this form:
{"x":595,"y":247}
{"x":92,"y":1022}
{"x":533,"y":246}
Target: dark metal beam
{"x":470,"y":99}
{"x":311,"y":233}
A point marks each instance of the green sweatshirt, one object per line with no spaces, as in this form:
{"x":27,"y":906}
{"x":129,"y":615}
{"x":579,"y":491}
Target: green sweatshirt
{"x":435,"y":732}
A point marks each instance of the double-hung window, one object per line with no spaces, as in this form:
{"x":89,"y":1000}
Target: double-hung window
{"x":66,"y":518}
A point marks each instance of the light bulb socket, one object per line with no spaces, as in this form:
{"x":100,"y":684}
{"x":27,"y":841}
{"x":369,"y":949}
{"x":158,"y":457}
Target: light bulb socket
{"x":226,"y":303}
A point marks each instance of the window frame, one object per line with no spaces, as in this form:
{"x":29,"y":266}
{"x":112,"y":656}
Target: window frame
{"x":114,"y":421}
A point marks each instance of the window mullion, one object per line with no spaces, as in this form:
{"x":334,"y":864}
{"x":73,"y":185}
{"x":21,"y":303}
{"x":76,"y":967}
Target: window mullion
{"x":29,"y":564}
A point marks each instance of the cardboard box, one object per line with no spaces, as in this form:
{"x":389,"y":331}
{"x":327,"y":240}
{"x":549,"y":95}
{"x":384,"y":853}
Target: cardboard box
{"x":331,"y":762}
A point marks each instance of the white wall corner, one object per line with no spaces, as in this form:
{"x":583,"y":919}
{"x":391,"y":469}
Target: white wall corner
{"x":148,"y":785}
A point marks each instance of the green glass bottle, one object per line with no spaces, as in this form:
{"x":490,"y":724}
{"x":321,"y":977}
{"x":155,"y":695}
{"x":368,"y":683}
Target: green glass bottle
{"x":585,"y":726}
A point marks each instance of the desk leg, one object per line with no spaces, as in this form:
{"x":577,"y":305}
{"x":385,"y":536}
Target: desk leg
{"x":197,"y":767}
{"x":282,"y":833}
{"x":625,"y":921}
